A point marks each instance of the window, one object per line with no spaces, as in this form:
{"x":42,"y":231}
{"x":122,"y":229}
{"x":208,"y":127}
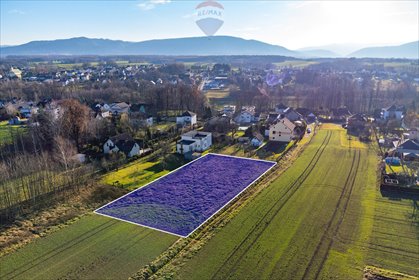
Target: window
{"x":274,"y":132}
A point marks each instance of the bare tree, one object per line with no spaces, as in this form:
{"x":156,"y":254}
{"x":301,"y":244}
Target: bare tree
{"x":64,"y":150}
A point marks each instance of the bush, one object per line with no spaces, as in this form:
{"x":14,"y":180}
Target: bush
{"x":106,"y":193}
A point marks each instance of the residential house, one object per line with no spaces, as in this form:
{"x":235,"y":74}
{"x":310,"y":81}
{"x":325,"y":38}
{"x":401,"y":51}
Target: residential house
{"x":26,"y":109}
{"x":187,"y":118}
{"x":119,"y":108}
{"x":257,"y":139}
{"x":229,"y":110}
{"x":393,"y":112}
{"x":281,"y":130}
{"x":292,"y":115}
{"x":194,"y":141}
{"x":271,"y":119}
{"x":246,"y":116}
{"x":408,"y":147}
{"x":307,"y":114}
{"x":122,"y":143}
{"x":280,"y":108}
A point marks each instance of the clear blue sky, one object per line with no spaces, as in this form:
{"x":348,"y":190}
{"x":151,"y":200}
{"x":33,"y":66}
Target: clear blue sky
{"x":294,"y":24}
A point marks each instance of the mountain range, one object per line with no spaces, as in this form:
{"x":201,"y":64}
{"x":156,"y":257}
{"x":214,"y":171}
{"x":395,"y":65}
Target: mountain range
{"x":409,"y":50}
{"x":216,"y":45}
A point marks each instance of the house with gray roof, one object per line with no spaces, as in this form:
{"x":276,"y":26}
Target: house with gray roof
{"x":194,"y":141}
{"x":187,"y":118}
{"x":122,"y":143}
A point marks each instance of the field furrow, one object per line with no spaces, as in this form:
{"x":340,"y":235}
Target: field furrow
{"x":252,"y":237}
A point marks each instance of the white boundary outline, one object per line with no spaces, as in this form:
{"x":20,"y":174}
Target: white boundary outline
{"x":221,"y":208}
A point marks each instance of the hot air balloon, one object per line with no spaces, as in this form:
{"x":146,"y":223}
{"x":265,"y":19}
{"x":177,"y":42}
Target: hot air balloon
{"x":209,"y":16}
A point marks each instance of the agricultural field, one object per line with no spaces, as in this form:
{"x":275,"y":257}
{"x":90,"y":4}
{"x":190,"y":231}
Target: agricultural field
{"x":217,"y":94}
{"x":303,"y":226}
{"x":94,"y":247}
{"x":183,"y":200}
{"x":295,"y":63}
{"x":219,"y":98}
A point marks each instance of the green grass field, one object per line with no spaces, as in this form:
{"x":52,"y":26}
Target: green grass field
{"x":138,"y":173}
{"x":94,"y":247}
{"x":323,"y":218}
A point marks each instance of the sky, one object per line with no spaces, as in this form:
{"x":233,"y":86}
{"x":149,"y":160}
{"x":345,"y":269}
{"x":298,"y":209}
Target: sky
{"x":292,"y":24}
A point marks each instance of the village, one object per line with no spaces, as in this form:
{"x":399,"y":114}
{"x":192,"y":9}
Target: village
{"x":256,"y":133}
{"x":228,"y":119}
{"x":75,"y":137}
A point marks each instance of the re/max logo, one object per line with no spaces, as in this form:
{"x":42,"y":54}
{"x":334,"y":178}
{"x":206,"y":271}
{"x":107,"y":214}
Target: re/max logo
{"x":209,"y":13}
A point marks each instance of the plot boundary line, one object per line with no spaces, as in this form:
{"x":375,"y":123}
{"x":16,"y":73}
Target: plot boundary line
{"x":231,"y":200}
{"x":177,"y":169}
{"x":254,"y":159}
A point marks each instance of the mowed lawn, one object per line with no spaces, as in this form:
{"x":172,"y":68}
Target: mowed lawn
{"x":141,"y":172}
{"x":94,"y":247}
{"x":134,"y":175}
{"x":330,"y":224}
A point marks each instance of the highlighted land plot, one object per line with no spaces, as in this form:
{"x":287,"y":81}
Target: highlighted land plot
{"x":183,"y":200}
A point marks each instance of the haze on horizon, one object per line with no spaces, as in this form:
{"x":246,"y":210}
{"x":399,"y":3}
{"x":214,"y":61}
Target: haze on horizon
{"x":294,"y":25}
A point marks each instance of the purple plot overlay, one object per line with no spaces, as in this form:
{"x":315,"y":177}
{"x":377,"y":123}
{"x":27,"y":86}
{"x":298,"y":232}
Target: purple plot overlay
{"x":183,"y":200}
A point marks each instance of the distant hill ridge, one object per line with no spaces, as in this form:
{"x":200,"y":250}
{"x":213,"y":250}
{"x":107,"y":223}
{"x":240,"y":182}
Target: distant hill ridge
{"x":409,"y":50}
{"x":216,"y":45}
